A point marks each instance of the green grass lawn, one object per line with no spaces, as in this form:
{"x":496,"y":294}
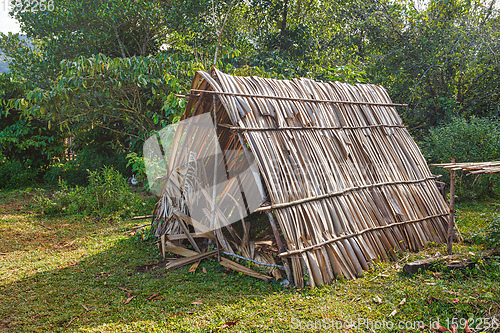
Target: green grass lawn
{"x":72,"y":273}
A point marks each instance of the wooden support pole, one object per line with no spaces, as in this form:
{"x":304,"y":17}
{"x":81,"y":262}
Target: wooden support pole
{"x":276,"y":233}
{"x":213,"y":216}
{"x":451,"y":221}
{"x":258,"y":181}
{"x":284,"y":98}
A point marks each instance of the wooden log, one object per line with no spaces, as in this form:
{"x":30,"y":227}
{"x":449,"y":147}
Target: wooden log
{"x":414,"y":266}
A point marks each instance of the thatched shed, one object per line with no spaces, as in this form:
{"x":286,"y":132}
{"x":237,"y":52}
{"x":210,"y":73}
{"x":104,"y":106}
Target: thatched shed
{"x":337,"y":170}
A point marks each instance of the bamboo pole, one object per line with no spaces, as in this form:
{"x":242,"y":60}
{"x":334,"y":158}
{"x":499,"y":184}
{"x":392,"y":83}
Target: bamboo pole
{"x":339,"y":193}
{"x":296,"y":99}
{"x":451,"y":220}
{"x":317,"y":128}
{"x":260,"y":186}
{"x":288,"y":253}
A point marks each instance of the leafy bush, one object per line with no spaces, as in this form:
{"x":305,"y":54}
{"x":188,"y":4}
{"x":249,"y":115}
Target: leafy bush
{"x":75,"y":172}
{"x":27,"y":145}
{"x":107,"y":193}
{"x":493,"y":233}
{"x":93,"y":149}
{"x":16,"y":174}
{"x":476,"y":140}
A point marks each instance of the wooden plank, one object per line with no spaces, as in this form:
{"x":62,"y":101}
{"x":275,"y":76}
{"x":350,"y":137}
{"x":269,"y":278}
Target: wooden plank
{"x":243,"y":269}
{"x":208,"y":235}
{"x":179,"y":250}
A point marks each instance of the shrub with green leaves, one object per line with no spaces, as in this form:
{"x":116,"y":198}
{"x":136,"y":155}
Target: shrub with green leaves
{"x":16,"y":174}
{"x":107,"y":194}
{"x":493,"y":233}
{"x":474,"y":140}
{"x":27,"y":146}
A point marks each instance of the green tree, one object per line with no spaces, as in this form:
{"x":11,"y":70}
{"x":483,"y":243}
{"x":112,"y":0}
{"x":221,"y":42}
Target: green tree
{"x":442,"y":60}
{"x":473,"y":140}
{"x":26,"y":145}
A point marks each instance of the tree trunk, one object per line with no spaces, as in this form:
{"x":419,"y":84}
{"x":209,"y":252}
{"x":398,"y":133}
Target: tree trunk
{"x":283,"y":23}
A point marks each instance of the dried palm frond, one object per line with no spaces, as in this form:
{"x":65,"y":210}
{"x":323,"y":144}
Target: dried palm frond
{"x":345,"y":180}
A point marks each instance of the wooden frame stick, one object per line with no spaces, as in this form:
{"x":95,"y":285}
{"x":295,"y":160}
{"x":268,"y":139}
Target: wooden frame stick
{"x":451,"y":221}
{"x":311,"y":100}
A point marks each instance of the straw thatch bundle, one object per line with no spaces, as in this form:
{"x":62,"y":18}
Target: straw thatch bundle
{"x":339,"y":171}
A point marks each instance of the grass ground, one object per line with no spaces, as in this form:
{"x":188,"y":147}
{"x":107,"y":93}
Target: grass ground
{"x":75,"y":274}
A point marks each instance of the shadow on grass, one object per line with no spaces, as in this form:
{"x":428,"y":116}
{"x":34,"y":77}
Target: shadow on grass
{"x":85,"y":287}
{"x":94,"y":291}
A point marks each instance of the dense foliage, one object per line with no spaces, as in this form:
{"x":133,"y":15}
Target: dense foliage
{"x":107,"y":194}
{"x":475,"y":140}
{"x":26,"y":144}
{"x":115,"y":67}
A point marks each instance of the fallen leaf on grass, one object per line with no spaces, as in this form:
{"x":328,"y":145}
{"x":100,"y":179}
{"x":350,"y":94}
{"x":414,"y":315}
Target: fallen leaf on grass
{"x":393,"y":313}
{"x":197,"y":303}
{"x":129,"y":294}
{"x":43,"y":225}
{"x":433,"y":299}
{"x":153,"y":296}
{"x":455,"y":300}
{"x":182,"y":313}
{"x":69,"y":243}
{"x":129,"y":299}
{"x":403,"y":301}
{"x":454,"y":328}
{"x":377,"y":299}
{"x":228,"y":324}
{"x":204,"y":270}
{"x":423,"y":327}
